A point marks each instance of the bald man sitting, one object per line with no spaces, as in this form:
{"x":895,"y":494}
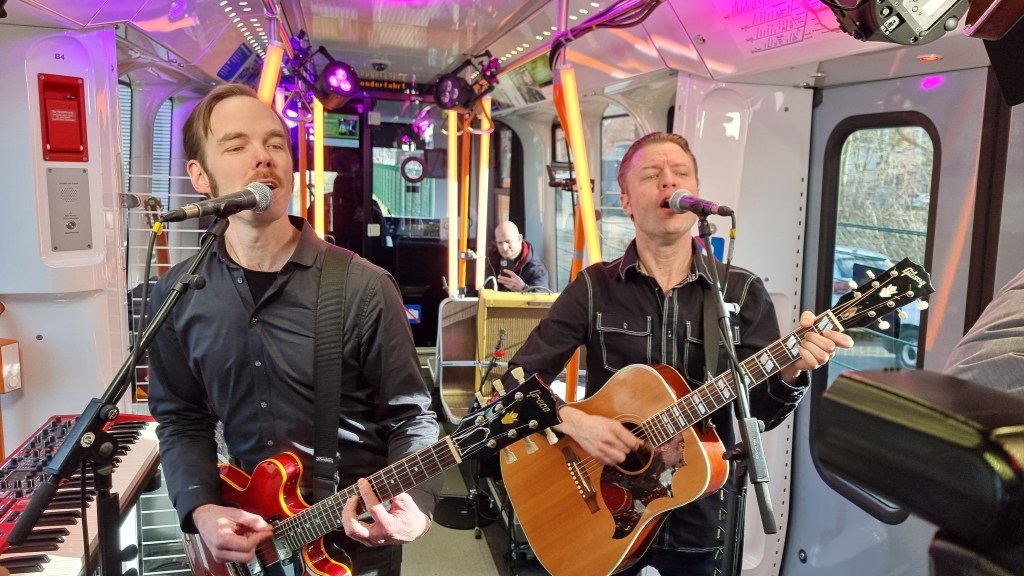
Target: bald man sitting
{"x":513,"y":262}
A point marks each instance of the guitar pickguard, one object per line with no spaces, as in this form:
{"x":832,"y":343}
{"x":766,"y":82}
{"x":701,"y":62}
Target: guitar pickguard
{"x":627,"y":490}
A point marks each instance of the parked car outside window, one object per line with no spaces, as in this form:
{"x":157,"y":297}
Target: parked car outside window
{"x":851,"y":264}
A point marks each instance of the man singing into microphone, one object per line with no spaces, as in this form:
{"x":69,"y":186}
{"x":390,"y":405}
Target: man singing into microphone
{"x":241,"y":352}
{"x":648,"y":307}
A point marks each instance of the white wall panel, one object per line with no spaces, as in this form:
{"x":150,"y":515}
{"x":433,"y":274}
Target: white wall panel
{"x":66,"y":308}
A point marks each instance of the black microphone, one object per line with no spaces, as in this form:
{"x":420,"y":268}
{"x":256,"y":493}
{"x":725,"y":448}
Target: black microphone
{"x":255,"y":197}
{"x":682,"y":201}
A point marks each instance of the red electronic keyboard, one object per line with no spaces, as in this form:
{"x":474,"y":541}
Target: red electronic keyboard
{"x":55,"y":547}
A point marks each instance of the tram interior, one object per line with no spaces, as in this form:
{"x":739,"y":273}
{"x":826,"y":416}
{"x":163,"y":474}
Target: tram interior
{"x":680,"y":65}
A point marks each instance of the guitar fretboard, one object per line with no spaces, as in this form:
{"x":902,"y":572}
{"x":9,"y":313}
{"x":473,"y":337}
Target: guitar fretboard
{"x":325,"y":516}
{"x":697,"y":405}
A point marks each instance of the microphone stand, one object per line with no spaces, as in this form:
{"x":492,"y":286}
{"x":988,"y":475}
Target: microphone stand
{"x":87,"y":442}
{"x":749,"y":452}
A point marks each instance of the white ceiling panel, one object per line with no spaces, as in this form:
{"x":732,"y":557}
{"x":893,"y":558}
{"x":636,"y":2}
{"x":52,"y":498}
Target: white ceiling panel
{"x":735,"y":38}
{"x":190,"y":32}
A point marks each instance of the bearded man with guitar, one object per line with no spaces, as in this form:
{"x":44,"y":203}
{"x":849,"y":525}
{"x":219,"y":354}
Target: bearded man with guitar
{"x":647,"y":307}
{"x":241,"y":351}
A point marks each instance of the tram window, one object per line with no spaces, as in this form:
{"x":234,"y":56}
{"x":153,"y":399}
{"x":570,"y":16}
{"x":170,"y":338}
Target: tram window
{"x":124,"y":99}
{"x":564,"y":214}
{"x":560,"y":150}
{"x":162,"y":151}
{"x":618,"y":132}
{"x":502,"y":207}
{"x":882,"y":209}
{"x":392,"y":144}
{"x":151,"y":190}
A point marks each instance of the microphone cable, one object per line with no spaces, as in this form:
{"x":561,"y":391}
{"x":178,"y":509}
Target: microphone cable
{"x":143,"y":309}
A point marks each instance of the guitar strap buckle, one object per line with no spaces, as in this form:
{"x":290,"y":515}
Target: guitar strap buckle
{"x":325,"y":477}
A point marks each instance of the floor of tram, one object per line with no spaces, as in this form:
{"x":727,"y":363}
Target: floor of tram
{"x":451,"y":547}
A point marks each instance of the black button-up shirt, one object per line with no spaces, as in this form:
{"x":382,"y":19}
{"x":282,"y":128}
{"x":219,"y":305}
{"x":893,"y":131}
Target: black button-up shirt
{"x":222,"y":356}
{"x":623,"y":317}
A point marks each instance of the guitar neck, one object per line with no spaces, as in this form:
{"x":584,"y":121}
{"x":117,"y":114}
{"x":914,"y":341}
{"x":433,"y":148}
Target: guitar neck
{"x":699,"y":404}
{"x":525,"y":409}
{"x":407,"y":473}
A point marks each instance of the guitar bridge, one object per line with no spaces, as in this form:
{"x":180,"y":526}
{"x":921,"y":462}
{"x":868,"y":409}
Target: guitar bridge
{"x":580,"y":479}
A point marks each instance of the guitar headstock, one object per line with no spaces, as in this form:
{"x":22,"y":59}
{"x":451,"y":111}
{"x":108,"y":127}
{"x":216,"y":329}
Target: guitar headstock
{"x":885,"y":293}
{"x":526,"y":408}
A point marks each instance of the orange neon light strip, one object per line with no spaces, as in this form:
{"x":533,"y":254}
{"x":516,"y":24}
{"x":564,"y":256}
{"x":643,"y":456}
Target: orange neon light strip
{"x":453,"y":206}
{"x":467,"y":142}
{"x":483,"y":190}
{"x":303,"y":154}
{"x":271,"y":73}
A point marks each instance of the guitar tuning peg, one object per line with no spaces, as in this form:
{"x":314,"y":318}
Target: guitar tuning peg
{"x":518,"y":374}
{"x":870,"y":274}
{"x":481,"y":399}
{"x":497,"y":386}
{"x":550,"y":435}
{"x":922,"y":305}
{"x":510,"y":456}
{"x":852,"y":285}
{"x":888,"y":263}
{"x":903,"y":315}
{"x":530,"y":446}
{"x":883,"y":325}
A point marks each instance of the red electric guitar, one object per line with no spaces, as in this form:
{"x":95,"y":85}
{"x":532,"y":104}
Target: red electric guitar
{"x":584,"y":518}
{"x":272,"y":490}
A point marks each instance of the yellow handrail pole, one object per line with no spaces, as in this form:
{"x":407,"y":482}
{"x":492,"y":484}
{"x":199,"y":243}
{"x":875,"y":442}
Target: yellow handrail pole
{"x":467,"y":142}
{"x":318,"y":167}
{"x":453,"y":207}
{"x":577,"y":253}
{"x":585,"y":230}
{"x":574,"y":137}
{"x":572,"y":368}
{"x":483,"y":191}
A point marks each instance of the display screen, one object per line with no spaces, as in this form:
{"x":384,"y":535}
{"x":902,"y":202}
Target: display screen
{"x":540,"y":70}
{"x":341,"y":130}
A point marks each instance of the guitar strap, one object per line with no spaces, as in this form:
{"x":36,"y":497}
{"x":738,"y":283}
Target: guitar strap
{"x":712,"y":336}
{"x":327,"y":369}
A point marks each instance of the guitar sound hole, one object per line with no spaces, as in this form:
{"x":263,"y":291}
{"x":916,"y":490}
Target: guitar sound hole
{"x":638,"y":461}
{"x":645,"y":476}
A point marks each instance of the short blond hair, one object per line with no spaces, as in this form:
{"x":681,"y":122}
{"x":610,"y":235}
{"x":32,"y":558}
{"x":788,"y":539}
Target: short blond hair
{"x":647,"y":140}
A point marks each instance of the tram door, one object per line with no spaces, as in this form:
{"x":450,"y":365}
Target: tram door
{"x":388,"y":195}
{"x":893,"y":165}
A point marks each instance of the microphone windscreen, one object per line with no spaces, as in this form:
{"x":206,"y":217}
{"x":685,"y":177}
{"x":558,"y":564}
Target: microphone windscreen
{"x":264,"y":195}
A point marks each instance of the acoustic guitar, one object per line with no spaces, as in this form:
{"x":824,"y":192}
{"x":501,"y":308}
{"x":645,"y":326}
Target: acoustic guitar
{"x":582,"y":517}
